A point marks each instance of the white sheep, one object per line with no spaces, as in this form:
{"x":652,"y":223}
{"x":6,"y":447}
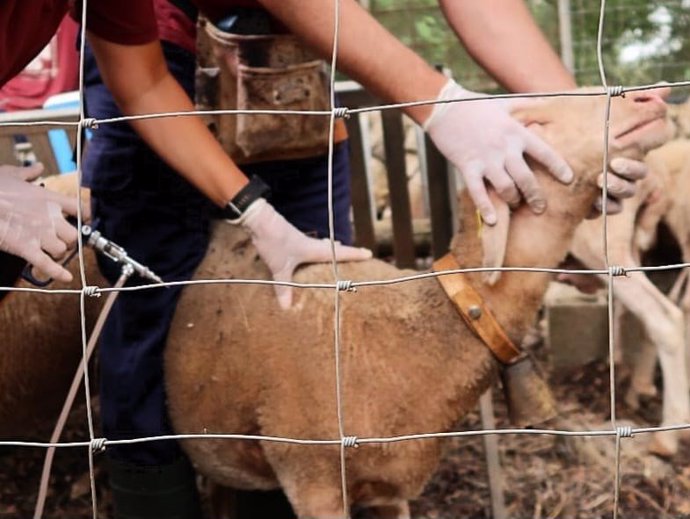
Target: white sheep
{"x":236,"y":363}
{"x":629,"y":234}
{"x":662,"y":196}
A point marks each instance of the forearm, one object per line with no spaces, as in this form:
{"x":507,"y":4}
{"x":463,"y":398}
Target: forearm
{"x":505,"y":40}
{"x":366,"y":51}
{"x":141,"y":84}
{"x":184,"y":142}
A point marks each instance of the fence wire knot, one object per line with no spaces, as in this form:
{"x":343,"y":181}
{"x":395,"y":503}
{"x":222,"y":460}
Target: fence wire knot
{"x":98,"y":444}
{"x":616,"y":91}
{"x":617,"y":270}
{"x":345,"y":286}
{"x":92,"y":291}
{"x":350,"y":441}
{"x":342,"y":112}
{"x":90,"y":123}
{"x":624,"y":432}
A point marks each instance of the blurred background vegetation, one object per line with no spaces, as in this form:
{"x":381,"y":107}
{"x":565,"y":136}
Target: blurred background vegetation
{"x":644,"y":41}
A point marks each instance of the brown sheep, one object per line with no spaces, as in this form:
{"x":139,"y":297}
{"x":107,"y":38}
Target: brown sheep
{"x":237,"y":364}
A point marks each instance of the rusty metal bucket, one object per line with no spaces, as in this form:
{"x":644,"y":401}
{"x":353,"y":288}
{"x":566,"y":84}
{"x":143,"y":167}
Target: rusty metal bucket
{"x":527,"y":394}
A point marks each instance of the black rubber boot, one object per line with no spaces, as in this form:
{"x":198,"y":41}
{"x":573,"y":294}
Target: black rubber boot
{"x":154,"y":492}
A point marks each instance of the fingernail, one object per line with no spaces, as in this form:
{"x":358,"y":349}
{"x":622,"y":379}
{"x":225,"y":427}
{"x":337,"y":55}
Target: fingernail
{"x":538,"y":206}
{"x":489,"y":218}
{"x":619,"y":165}
{"x":567,"y":175}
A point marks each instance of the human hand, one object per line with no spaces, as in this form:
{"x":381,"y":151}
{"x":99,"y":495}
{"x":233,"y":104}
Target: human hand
{"x":32,"y":221}
{"x":485,"y":143}
{"x":621,"y":183}
{"x":283,"y":247}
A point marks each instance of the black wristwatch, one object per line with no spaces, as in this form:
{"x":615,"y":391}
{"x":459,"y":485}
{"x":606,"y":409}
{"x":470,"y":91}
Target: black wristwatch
{"x":255,"y":189}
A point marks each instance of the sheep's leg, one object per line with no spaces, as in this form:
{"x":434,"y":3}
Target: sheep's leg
{"x":399,"y":510}
{"x":314,"y":489}
{"x":664,"y":324}
{"x":222,"y":502}
{"x":641,"y":358}
{"x":642,"y":379}
{"x":619,"y":313}
{"x":318,"y":502}
{"x":685,"y":304}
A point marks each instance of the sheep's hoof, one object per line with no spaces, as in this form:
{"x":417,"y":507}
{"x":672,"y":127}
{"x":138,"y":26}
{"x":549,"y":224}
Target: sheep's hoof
{"x":684,"y":434}
{"x":664,"y":444}
{"x":632,"y":399}
{"x":635,"y":394}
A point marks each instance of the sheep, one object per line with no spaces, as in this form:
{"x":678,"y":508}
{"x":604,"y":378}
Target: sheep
{"x":667,"y":203}
{"x":236,"y":363}
{"x":629,"y":234}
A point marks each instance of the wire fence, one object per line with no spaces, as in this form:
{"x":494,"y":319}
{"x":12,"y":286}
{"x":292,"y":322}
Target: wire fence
{"x":338,"y":285}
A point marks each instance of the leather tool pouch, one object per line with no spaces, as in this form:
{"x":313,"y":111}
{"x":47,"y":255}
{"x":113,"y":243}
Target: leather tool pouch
{"x":262,"y":72}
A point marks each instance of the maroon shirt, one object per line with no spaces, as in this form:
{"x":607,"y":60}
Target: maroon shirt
{"x":215,"y":9}
{"x":26,"y":27}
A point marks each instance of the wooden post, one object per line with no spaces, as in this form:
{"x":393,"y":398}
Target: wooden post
{"x":493,"y":463}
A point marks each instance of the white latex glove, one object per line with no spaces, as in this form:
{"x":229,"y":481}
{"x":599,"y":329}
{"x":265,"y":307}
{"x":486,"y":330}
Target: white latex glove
{"x":283,"y":247}
{"x":32,"y":222}
{"x":622,"y":177}
{"x":485,"y":143}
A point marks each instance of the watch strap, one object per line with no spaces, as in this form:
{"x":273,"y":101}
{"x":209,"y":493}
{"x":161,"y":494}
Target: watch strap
{"x":253,"y":190}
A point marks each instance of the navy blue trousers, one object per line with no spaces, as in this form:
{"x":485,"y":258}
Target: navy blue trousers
{"x":163,"y":222}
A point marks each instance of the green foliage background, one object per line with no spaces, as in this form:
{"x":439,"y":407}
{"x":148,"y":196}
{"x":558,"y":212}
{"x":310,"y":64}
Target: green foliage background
{"x":654,"y":35}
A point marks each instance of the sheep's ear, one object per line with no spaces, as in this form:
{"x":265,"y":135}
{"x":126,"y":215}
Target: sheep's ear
{"x":495,"y":239}
{"x":531,"y":111}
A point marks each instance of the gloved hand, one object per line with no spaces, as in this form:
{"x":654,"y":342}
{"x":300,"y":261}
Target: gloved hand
{"x":622,"y":177}
{"x":283,"y":247}
{"x":32,"y":223}
{"x":483,"y":141}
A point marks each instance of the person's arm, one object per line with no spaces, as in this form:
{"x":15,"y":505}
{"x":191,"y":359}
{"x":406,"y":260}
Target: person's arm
{"x":140,"y":82}
{"x":502,"y":36}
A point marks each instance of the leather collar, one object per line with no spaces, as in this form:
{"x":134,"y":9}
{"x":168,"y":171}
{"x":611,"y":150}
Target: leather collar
{"x":474,"y":311}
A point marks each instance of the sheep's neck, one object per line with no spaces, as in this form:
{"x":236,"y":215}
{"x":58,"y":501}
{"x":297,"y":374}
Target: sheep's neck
{"x":533,"y":241}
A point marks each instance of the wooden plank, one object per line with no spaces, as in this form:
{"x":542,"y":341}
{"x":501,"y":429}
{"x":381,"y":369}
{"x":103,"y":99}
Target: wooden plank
{"x":44,"y":152}
{"x":36,"y":135}
{"x":7,"y":149}
{"x":440,"y":198}
{"x":493,"y":462}
{"x":394,"y":145}
{"x":65,"y":115}
{"x":362,"y":206}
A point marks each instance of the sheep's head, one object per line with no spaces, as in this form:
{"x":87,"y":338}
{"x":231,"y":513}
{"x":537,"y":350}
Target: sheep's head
{"x":575,"y":126}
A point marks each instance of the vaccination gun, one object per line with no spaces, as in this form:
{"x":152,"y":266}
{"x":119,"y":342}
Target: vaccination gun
{"x":102,"y":245}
